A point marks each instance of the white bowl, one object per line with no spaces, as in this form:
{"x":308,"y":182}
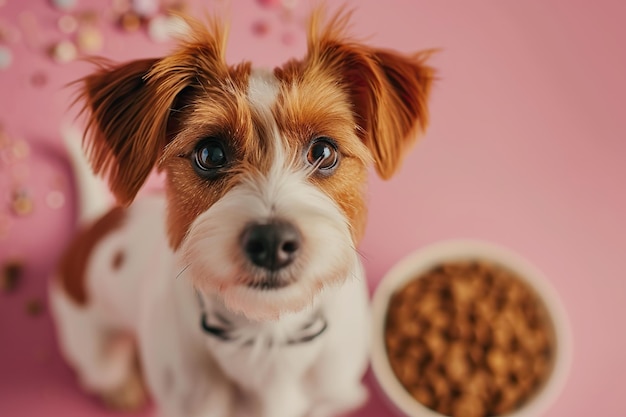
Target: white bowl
{"x":422,"y":261}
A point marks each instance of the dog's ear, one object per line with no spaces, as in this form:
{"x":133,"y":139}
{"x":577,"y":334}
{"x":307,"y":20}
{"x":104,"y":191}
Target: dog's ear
{"x":389,"y":91}
{"x":132,"y":106}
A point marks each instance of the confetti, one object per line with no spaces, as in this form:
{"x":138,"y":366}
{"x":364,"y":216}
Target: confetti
{"x":55,"y":200}
{"x":63,"y":52}
{"x":288,"y":38}
{"x":260,"y":28}
{"x":22,"y":204}
{"x":159,"y":29}
{"x":90,"y":40}
{"x":174,"y":5}
{"x":269,"y":3}
{"x":34,"y":307}
{"x":89,"y":17}
{"x":130,"y":22}
{"x":64,"y":4}
{"x":145,"y":8}
{"x":67,"y":24}
{"x":39,"y":79}
{"x":6,"y":57}
{"x":11,"y":275}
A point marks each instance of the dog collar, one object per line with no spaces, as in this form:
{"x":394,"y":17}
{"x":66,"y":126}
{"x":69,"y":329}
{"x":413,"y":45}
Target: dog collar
{"x":226,"y":331}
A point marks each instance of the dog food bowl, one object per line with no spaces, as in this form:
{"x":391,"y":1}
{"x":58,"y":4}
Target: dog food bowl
{"x":444,"y":394}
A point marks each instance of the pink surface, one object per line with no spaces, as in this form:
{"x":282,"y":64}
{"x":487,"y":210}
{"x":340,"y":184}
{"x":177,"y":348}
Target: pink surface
{"x":526,"y":149}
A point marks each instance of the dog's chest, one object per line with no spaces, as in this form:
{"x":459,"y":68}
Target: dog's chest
{"x":253,"y":353}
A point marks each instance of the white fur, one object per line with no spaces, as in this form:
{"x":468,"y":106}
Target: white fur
{"x":152,"y":296}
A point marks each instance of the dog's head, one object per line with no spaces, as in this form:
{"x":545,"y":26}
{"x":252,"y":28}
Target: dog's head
{"x":265,"y":170}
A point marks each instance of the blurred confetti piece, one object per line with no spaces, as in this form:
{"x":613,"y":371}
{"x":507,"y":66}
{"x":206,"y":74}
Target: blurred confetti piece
{"x":6,"y":57}
{"x":55,"y":200}
{"x":174,"y":5}
{"x":145,"y":8}
{"x":58,"y":182}
{"x":34,"y":307}
{"x":89,"y":39}
{"x":260,"y":28}
{"x":67,"y":24}
{"x":288,"y":38}
{"x":130,"y":22}
{"x":11,"y":275}
{"x":63,"y":4}
{"x":39,"y":79}
{"x":159,"y":29}
{"x":22,"y":204}
{"x":270,"y":3}
{"x":88,"y":17}
{"x":63,"y":52}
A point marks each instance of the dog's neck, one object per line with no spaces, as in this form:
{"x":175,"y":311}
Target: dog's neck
{"x":218,"y":322}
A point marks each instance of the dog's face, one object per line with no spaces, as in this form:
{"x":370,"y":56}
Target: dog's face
{"x":265,"y":170}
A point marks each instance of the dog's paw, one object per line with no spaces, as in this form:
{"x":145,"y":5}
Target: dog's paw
{"x":130,"y":396}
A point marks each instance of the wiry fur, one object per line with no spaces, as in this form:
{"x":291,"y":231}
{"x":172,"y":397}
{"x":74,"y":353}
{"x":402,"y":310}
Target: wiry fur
{"x":141,"y":276}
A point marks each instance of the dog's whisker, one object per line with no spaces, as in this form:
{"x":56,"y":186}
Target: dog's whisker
{"x":182,"y":271}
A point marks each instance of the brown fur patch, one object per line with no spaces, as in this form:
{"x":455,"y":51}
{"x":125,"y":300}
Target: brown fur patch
{"x":74,"y":262}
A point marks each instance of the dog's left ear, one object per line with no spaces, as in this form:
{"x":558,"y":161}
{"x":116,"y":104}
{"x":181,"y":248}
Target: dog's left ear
{"x":389,"y":91}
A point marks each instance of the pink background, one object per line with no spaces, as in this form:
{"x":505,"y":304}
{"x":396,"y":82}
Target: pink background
{"x":527,"y":148}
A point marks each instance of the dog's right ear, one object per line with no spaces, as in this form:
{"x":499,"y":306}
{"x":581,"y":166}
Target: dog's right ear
{"x":130,"y":106}
{"x":126,"y":126}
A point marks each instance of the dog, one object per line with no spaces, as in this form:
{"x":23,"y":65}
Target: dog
{"x":238,"y":291}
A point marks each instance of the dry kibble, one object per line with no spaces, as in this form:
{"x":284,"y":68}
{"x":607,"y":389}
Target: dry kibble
{"x":424,"y":395}
{"x":468,"y":406}
{"x":469,"y":339}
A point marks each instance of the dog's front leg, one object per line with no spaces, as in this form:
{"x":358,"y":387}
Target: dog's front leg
{"x":180,"y":372}
{"x":283,"y":398}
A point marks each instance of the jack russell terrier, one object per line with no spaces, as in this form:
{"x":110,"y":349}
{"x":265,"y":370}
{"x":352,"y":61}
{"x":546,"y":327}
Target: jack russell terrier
{"x":239,"y":290}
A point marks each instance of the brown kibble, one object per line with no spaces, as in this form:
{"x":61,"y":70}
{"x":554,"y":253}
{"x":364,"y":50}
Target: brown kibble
{"x":468,"y":406}
{"x":424,"y":395}
{"x":497,"y":361}
{"x":456,"y":363}
{"x":469,"y":339}
{"x":479,"y":384}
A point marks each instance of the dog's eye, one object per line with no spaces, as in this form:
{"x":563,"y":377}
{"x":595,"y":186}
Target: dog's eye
{"x":323,"y":154}
{"x":209,"y":156}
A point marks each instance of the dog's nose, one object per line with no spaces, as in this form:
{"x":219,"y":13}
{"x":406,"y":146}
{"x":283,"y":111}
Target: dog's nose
{"x":272,"y":245}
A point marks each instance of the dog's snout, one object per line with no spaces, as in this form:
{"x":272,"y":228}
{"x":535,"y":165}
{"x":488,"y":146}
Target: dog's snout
{"x":271,"y":246}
